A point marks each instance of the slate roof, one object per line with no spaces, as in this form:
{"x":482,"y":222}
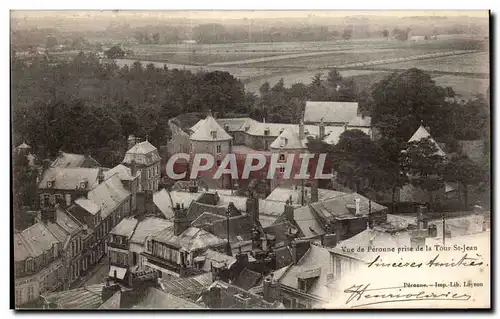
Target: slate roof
{"x":283,"y":194}
{"x":422,"y":133}
{"x":202,"y":131}
{"x":79,"y":298}
{"x":247,"y":279}
{"x":317,"y":260}
{"x":289,"y":140}
{"x":108,"y":195}
{"x":333,"y":112}
{"x":125,"y":227}
{"x":191,"y":239}
{"x":184,"y":287}
{"x":69,"y":178}
{"x":88,"y":205}
{"x":162,"y":200}
{"x":214,"y":258}
{"x":70,"y":160}
{"x":35,"y":240}
{"x":148,"y":226}
{"x":144,"y":153}
{"x":337,"y":207}
{"x":156,"y":299}
{"x":124,"y":172}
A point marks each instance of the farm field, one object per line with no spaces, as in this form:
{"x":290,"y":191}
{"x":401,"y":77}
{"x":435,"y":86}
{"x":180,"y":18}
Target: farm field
{"x":473,"y":63}
{"x":465,"y":86}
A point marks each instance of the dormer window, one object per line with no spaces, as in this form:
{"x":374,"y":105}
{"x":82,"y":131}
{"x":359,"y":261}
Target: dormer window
{"x":282,"y":158}
{"x":83,"y":184}
{"x":50,"y":184}
{"x":266,"y":131}
{"x":213,"y":134}
{"x":247,"y":128}
{"x":281,"y":131}
{"x":226,"y":127}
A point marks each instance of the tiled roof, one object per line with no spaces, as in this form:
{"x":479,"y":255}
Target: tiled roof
{"x":164,"y":204}
{"x":39,"y":238}
{"x":316,"y":260}
{"x":157,"y":299}
{"x":88,"y":205}
{"x":108,"y":195}
{"x":191,"y":239}
{"x":283,"y":194}
{"x":333,"y":135}
{"x":79,"y":298}
{"x":338,"y":207}
{"x":333,"y":112}
{"x":69,"y":178}
{"x":422,"y":133}
{"x":289,"y":140}
{"x":149,"y":226}
{"x":124,"y":172}
{"x":113,"y":302}
{"x":247,"y":279}
{"x":144,"y":153}
{"x":203,"y":131}
{"x":185,"y":287}
{"x":69,"y":160}
{"x":125,"y":227}
{"x":215,"y":258}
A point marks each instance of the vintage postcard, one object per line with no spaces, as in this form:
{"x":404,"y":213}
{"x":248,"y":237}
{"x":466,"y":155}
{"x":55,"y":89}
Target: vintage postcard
{"x":250,"y":159}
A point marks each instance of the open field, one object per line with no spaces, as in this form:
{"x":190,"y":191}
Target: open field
{"x":465,"y":86}
{"x":472,"y":63}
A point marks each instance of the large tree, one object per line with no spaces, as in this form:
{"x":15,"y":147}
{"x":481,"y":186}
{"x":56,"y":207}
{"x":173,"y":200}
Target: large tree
{"x":405,"y":99}
{"x":465,"y":172}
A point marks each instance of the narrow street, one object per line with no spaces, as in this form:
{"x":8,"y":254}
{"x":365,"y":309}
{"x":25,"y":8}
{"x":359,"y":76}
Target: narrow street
{"x":100,"y":273}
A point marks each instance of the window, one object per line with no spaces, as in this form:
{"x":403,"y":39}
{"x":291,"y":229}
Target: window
{"x":213,"y":134}
{"x":302,"y":285}
{"x":68,"y":199}
{"x":282,"y":158}
{"x":19,"y":296}
{"x":219,"y":148}
{"x":218,"y":163}
{"x":338,"y":268}
{"x":59,"y":199}
{"x":266,"y":131}
{"x":149,"y":246}
{"x":266,"y":145}
{"x":46,"y":200}
{"x":31,"y":293}
{"x":29,"y":264}
{"x":282,"y":169}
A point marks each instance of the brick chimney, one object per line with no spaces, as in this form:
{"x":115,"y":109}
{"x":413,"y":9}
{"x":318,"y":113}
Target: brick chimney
{"x":100,"y":176}
{"x":180,"y":220}
{"x":252,"y":208}
{"x":212,"y":297}
{"x":330,"y":240}
{"x":321,"y":130}
{"x":270,"y":291}
{"x":301,"y":129}
{"x":288,"y":211}
{"x":48,"y":213}
{"x":314,"y":192}
{"x":294,"y":253}
{"x":358,"y":210}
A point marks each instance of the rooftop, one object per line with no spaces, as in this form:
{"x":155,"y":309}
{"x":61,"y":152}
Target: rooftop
{"x":69,"y":178}
{"x":143,"y":153}
{"x":334,"y":112}
{"x":124,"y":172}
{"x":422,"y":133}
{"x":80,"y":298}
{"x":340,"y":207}
{"x":209,"y":130}
{"x":125,"y":227}
{"x":289,"y":140}
{"x":191,"y":239}
{"x":157,"y":299}
{"x":108,"y":195}
{"x":184,"y":287}
{"x":69,"y":160}
{"x":163,"y":200}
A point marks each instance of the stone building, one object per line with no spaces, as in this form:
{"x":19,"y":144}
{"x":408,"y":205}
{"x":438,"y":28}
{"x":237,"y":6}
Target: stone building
{"x":147,"y":159}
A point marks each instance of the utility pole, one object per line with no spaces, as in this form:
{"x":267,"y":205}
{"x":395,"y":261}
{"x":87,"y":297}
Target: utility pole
{"x":228,"y":247}
{"x":444,"y":229}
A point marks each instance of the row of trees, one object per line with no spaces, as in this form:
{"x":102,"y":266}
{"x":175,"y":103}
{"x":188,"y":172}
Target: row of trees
{"x":87,"y":106}
{"x":398,"y":105}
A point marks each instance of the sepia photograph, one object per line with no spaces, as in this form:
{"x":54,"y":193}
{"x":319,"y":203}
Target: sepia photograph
{"x":277,"y":160}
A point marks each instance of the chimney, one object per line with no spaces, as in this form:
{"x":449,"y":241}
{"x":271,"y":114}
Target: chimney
{"x":193,"y":187}
{"x":133,"y":168}
{"x":180,"y":220}
{"x":314,"y":192}
{"x":330,"y":240}
{"x":301,"y":129}
{"x":149,"y":207}
{"x":358,"y":201}
{"x":46,"y":164}
{"x":100,"y":176}
{"x":131,"y":141}
{"x":48,"y":213}
{"x":252,"y":208}
{"x":421,"y":217}
{"x":269,"y":287}
{"x":321,"y":130}
{"x":432,"y":231}
{"x":289,"y":210}
{"x":294,"y":252}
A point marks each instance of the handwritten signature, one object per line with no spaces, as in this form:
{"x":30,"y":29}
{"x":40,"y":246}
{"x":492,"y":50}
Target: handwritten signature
{"x":359,"y":292}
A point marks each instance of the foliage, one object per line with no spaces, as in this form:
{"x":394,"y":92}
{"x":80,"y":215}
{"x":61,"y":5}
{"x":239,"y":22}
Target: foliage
{"x":347,"y":34}
{"x":404,"y":99}
{"x":465,"y":172}
{"x":115,"y":52}
{"x":401,"y":34}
